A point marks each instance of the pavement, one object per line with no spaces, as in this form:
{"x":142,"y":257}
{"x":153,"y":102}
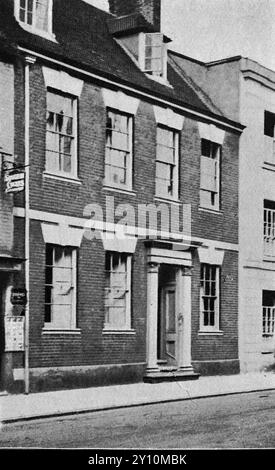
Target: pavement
{"x":66,"y":402}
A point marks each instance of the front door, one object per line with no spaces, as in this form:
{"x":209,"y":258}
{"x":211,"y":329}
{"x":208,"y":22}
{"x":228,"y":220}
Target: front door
{"x":169,"y":323}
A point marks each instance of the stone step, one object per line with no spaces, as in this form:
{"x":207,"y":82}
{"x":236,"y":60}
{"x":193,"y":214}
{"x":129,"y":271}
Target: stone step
{"x":169,"y":376}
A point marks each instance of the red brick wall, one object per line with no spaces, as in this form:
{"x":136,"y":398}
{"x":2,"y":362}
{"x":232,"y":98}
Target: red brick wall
{"x":91,"y":347}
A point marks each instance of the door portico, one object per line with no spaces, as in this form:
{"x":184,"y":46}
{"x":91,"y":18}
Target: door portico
{"x":168,"y":337}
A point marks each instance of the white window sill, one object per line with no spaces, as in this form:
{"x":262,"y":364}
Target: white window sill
{"x":37,"y":32}
{"x":112,"y":331}
{"x":210,"y":333}
{"x":161,"y":80}
{"x":62,"y":177}
{"x":119,"y":190}
{"x":167,"y":200}
{"x":211,"y":211}
{"x":60,"y":331}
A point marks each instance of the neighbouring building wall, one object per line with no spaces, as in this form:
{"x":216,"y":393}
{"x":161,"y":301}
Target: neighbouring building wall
{"x":219,"y":80}
{"x":257,"y":183}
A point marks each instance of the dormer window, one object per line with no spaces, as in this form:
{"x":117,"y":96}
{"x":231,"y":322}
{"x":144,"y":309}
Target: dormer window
{"x":154,"y":54}
{"x":35,"y":16}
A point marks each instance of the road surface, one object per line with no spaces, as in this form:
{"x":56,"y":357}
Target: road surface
{"x":238,"y":421}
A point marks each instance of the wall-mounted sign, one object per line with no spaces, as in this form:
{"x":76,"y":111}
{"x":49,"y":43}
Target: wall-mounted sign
{"x":18,"y":296}
{"x":14,"y":181}
{"x":14,"y":334}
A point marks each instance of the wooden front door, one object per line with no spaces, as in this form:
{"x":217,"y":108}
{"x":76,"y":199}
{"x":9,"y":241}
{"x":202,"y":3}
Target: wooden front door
{"x":169,"y":323}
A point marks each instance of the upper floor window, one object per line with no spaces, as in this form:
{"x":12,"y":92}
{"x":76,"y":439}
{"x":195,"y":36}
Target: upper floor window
{"x":60,"y":287}
{"x":119,"y":150}
{"x":210,"y":175}
{"x":269,"y":228}
{"x":61,"y":132}
{"x":210,"y":288}
{"x":269,"y":126}
{"x":35,"y":15}
{"x":268,"y":313}
{"x":167,"y":163}
{"x":118,"y":291}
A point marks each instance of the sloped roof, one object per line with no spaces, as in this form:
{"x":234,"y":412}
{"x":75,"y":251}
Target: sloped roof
{"x":83,"y":40}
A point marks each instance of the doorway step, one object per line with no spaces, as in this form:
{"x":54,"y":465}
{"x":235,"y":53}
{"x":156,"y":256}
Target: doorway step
{"x":170,"y":374}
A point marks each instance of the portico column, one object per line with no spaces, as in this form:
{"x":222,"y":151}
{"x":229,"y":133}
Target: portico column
{"x":184,"y":319}
{"x":152,"y":316}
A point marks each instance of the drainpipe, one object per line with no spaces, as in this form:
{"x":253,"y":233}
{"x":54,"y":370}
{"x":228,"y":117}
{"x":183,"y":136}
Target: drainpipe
{"x":28,"y":61}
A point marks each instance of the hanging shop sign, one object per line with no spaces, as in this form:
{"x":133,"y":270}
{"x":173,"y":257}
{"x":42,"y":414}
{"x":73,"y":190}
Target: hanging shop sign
{"x":14,"y":181}
{"x":18,"y":296}
{"x":14,"y":334}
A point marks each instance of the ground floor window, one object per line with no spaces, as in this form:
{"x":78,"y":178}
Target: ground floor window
{"x":60,"y":287}
{"x":118,"y":291}
{"x":210,"y":289}
{"x":268,"y":312}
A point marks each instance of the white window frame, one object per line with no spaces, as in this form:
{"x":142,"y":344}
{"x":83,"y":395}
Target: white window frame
{"x":129,"y":166}
{"x":142,"y":57}
{"x":269,"y":229}
{"x":128,"y":292}
{"x":32,"y":28}
{"x":74,"y":156}
{"x":176,"y":148}
{"x":215,"y":327}
{"x":268,"y":320}
{"x":217,"y":159}
{"x":51,"y":325}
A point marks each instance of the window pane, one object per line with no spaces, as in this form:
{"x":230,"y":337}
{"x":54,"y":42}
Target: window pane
{"x":118,"y":157}
{"x":156,"y":65}
{"x":67,"y":164}
{"x":166,"y":154}
{"x":48,"y":295}
{"x":206,"y":148}
{"x":60,"y":130}
{"x":48,"y":275}
{"x":208,"y":174}
{"x":61,"y":316}
{"x":209,"y":290}
{"x":42,"y":11}
{"x":61,"y":290}
{"x":30,"y":12}
{"x":48,"y":313}
{"x":116,"y":289}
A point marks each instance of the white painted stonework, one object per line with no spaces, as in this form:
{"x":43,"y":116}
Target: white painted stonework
{"x":120,"y":101}
{"x":62,"y":81}
{"x":62,"y":235}
{"x":257,"y":182}
{"x":211,"y":132}
{"x":167,"y":117}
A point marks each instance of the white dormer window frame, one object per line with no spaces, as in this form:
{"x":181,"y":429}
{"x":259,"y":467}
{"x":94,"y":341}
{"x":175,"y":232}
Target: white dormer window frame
{"x":159,"y":52}
{"x":25,"y":12}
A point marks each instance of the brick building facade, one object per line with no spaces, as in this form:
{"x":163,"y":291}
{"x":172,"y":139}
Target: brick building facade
{"x":104,"y":117}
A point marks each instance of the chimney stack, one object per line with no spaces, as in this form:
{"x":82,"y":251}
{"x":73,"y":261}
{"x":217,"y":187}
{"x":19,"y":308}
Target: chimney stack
{"x":149,"y":9}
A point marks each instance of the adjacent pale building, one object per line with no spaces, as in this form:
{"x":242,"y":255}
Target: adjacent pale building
{"x":245,"y":91}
